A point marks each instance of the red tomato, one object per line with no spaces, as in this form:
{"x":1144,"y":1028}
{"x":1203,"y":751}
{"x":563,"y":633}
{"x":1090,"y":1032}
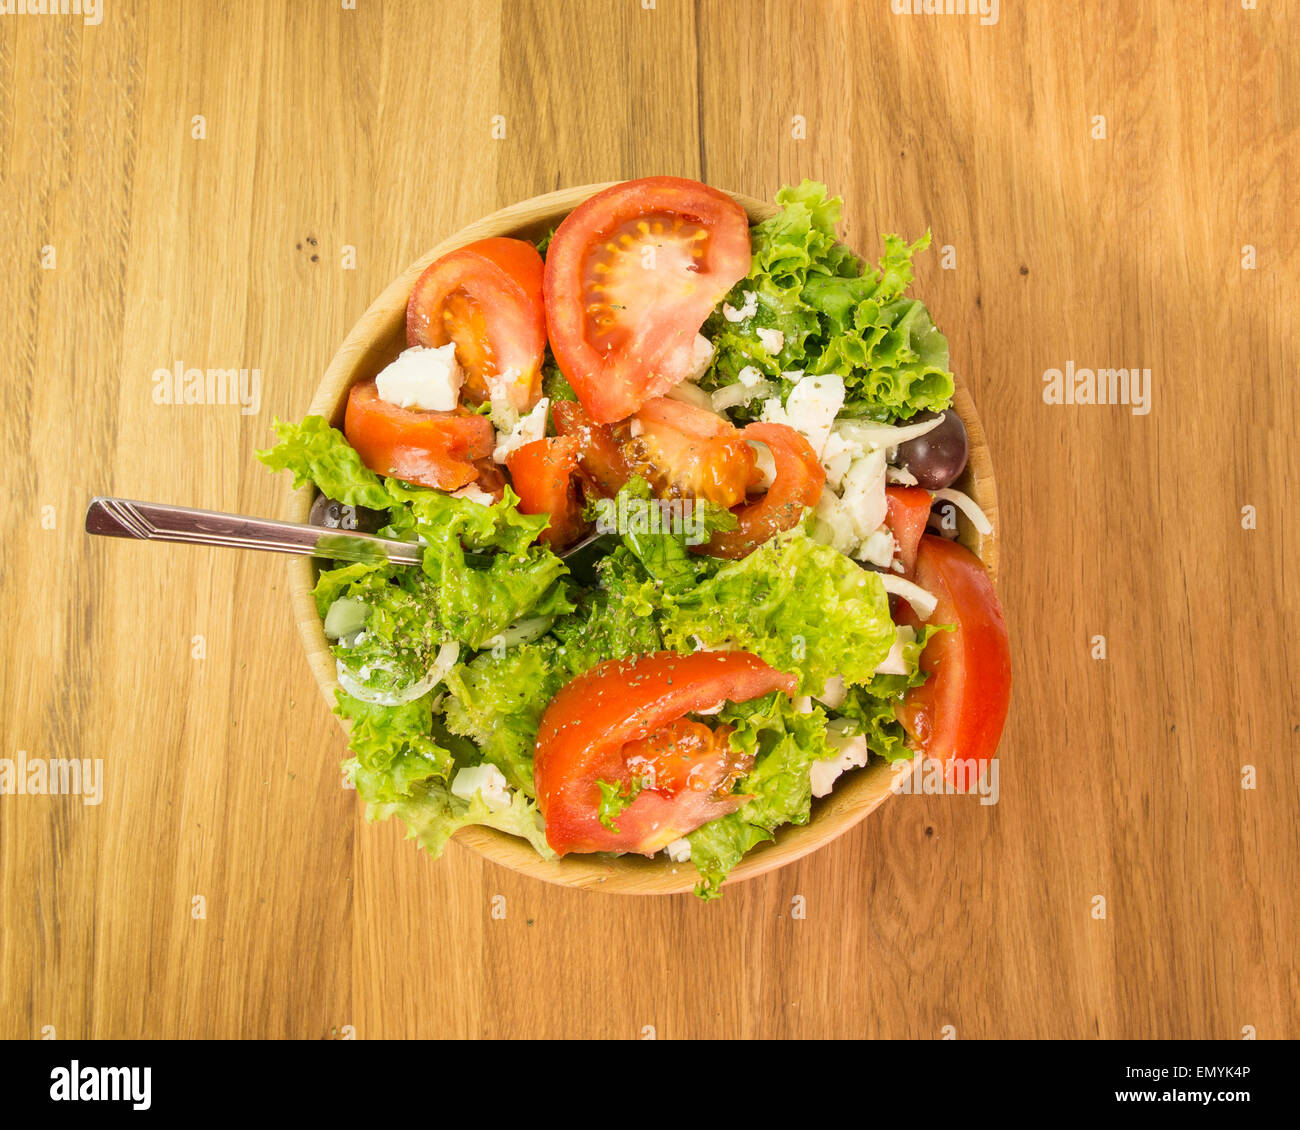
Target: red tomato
{"x":487,"y":298}
{"x":491,"y":479}
{"x":600,"y":454}
{"x":685,"y":452}
{"x":909,"y":510}
{"x":631,"y":275}
{"x":624,"y":717}
{"x":798,"y":484}
{"x":542,"y":474}
{"x":434,"y":449}
{"x":956,"y":715}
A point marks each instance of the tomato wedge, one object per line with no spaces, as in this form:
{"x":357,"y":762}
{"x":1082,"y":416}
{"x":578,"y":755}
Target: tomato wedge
{"x":542,"y":473}
{"x":487,"y":298}
{"x":909,"y":510}
{"x":797,"y":485}
{"x":685,"y":452}
{"x":600,"y":454}
{"x":625,"y":716}
{"x":631,"y":275}
{"x":434,"y":449}
{"x":956,"y":715}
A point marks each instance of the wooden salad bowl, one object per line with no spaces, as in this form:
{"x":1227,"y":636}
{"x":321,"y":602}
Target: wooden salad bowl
{"x":375,"y":340}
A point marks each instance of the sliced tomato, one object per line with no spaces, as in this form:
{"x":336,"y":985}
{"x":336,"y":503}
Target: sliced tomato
{"x":796,"y":486}
{"x":685,"y":452}
{"x":631,"y":275}
{"x":956,"y":715}
{"x":434,"y":449}
{"x":491,"y":479}
{"x":600,"y":454}
{"x":542,"y":474}
{"x":909,"y":510}
{"x":621,"y":722}
{"x":487,"y":298}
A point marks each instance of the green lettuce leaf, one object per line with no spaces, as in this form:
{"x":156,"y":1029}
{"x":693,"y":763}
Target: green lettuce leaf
{"x":614,"y":798}
{"x":798,"y":604}
{"x":393,"y":746}
{"x":510,"y":576}
{"x":432,"y":815}
{"x":783,"y":743}
{"x":317,"y":453}
{"x":869,"y":709}
{"x":497,"y":699}
{"x":836,"y":314}
{"x":664,"y":555}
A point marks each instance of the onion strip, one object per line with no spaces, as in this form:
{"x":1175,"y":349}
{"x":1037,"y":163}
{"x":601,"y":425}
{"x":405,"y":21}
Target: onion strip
{"x":444,"y":662}
{"x":967,"y":506}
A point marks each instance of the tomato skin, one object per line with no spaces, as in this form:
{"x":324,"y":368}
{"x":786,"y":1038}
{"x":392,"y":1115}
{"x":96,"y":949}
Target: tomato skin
{"x":542,"y":474}
{"x":956,"y":715}
{"x":685,"y":452}
{"x":586,"y":729}
{"x":909,"y":510}
{"x":650,"y":315}
{"x":797,"y":485}
{"x":487,"y":297}
{"x":600,"y":455}
{"x":434,"y":449}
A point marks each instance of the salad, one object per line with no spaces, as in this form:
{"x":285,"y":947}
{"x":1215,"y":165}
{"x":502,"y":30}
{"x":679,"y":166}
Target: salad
{"x":743,"y":430}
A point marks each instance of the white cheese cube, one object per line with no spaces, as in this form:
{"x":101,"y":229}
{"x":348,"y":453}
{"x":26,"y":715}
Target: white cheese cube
{"x":679,"y":851}
{"x":529,"y":429}
{"x":748,"y":310}
{"x":486,"y":780}
{"x":427,"y":379}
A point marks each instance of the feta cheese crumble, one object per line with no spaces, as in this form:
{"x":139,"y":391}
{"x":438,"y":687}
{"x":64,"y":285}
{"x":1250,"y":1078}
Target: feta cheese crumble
{"x":701,"y":357}
{"x":748,"y":310}
{"x":486,"y":780}
{"x":679,"y":851}
{"x":810,"y":409}
{"x":427,"y":379}
{"x":773,"y":340}
{"x":474,"y":493}
{"x":852,"y":754}
{"x":530,"y":428}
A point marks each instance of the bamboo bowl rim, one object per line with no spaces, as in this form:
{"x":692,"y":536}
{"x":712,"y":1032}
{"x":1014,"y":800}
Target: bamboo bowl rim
{"x":375,"y":340}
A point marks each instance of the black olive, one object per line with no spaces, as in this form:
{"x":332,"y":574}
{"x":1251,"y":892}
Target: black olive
{"x":937,"y":458}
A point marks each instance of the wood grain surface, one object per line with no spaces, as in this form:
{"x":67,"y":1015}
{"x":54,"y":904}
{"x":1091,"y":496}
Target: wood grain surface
{"x":225,"y":885}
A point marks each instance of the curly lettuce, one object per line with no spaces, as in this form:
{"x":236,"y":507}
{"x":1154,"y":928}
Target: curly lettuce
{"x":799,"y":605}
{"x":317,"y":453}
{"x":835,"y":314}
{"x":783,"y":742}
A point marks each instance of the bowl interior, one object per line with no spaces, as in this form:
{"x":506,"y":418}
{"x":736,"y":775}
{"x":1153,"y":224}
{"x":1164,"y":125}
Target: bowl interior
{"x":376,"y":339}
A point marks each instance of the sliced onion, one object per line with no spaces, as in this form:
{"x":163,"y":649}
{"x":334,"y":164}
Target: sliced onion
{"x":732,"y":396}
{"x":894,"y":663}
{"x":523,"y":631}
{"x":691,"y":394}
{"x":967,"y":506}
{"x":923,"y":602}
{"x":870,"y":434}
{"x":444,"y":662}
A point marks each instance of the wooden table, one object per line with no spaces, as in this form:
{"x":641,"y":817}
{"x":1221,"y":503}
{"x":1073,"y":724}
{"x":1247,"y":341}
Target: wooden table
{"x":227,"y":886}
